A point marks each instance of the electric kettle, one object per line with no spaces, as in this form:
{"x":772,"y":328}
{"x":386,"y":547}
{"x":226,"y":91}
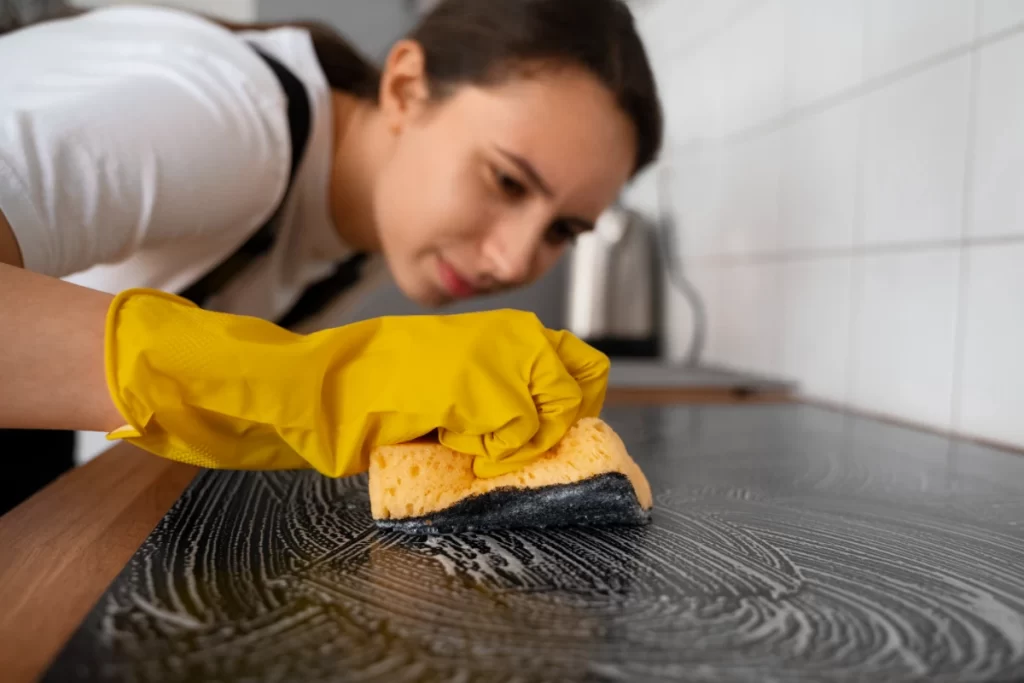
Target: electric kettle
{"x":614,"y":285}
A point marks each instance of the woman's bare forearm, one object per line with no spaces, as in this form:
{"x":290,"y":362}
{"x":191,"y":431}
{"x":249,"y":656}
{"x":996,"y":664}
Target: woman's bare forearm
{"x":51,"y":354}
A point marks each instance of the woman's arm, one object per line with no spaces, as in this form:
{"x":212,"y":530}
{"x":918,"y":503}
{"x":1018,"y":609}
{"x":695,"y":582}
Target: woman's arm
{"x":144,"y":152}
{"x":51,"y":350}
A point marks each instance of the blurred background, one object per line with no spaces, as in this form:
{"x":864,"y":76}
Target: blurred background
{"x":849,"y":190}
{"x":840,"y":203}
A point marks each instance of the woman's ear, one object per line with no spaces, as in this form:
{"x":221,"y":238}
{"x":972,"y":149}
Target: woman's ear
{"x":404,"y":91}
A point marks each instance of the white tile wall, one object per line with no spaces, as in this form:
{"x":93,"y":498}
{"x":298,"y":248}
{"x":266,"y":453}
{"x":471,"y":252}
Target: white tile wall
{"x":697,"y":197}
{"x":998,"y":200}
{"x":824,"y":48}
{"x":748,"y":210}
{"x":745,"y":318}
{"x":999,"y":15}
{"x":685,"y":40}
{"x":753,"y":70}
{"x":693,"y":96}
{"x":992,"y":395}
{"x":830,"y":234}
{"x":816,"y":325}
{"x":819,"y":180}
{"x":682,"y":26}
{"x":901,"y":32}
{"x":915,"y":144}
{"x":905,"y":336}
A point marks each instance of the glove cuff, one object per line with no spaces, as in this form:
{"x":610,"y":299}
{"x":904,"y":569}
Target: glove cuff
{"x":197,"y":386}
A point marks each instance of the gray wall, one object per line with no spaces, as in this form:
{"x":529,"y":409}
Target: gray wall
{"x":372,"y":25}
{"x":546,"y":298}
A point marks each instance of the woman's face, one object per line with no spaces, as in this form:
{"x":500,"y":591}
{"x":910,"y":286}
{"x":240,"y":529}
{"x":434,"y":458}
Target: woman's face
{"x":484,"y":190}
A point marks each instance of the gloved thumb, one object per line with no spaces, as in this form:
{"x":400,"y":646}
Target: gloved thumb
{"x":588,"y":366}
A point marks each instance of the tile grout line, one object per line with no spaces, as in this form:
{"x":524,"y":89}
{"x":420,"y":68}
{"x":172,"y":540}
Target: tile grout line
{"x":966,"y":229}
{"x":857,"y":91}
{"x":702,"y":40}
{"x":734,"y":260}
{"x":856,"y":260}
{"x":783,"y":276}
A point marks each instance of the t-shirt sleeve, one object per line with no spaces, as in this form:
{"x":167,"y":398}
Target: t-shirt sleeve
{"x":95,"y":167}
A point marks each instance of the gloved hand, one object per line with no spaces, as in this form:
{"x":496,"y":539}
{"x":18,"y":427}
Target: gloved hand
{"x":227,"y":391}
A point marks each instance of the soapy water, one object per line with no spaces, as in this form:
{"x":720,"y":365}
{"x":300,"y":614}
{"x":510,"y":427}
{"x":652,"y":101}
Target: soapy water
{"x":770,"y":557}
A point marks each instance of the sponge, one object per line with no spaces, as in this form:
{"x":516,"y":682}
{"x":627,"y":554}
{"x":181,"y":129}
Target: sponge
{"x":587,"y":479}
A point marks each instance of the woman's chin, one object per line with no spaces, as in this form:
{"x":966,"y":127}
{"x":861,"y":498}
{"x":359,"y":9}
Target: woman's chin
{"x":424,"y":295}
{"x":416,"y":289}
{"x":432,"y":302}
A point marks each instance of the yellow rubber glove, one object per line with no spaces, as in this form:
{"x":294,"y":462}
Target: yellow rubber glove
{"x":228,"y":391}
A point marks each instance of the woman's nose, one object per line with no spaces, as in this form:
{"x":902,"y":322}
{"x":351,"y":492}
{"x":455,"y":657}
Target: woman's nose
{"x":512,"y":253}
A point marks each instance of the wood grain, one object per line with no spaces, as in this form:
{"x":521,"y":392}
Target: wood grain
{"x":63,"y":547}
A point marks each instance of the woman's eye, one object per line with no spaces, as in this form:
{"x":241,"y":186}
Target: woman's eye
{"x":560,"y":233}
{"x":512,"y":188}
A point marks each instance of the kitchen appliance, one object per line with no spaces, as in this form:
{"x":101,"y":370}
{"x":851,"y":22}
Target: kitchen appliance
{"x":614,"y":285}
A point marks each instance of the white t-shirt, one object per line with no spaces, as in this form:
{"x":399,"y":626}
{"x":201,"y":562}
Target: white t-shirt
{"x":141,"y":146}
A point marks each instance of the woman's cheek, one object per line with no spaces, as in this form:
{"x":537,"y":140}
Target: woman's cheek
{"x":460,"y":209}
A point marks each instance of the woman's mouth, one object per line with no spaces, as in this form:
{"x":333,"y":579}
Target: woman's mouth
{"x":457,"y":286}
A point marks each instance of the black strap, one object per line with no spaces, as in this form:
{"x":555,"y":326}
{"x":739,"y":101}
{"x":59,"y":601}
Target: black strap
{"x":299,"y":122}
{"x":319,"y":295}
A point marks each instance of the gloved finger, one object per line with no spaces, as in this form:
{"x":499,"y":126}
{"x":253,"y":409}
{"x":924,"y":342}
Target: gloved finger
{"x":499,"y":416}
{"x":557,"y":398}
{"x":588,"y":366}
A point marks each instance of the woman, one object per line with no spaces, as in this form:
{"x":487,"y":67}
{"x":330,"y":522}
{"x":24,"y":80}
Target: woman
{"x":260,"y":172}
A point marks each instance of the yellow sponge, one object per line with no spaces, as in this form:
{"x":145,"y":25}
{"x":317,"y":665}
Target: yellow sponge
{"x":588,"y":478}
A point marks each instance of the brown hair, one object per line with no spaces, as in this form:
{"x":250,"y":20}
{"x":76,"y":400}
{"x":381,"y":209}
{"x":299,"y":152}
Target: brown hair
{"x":483,"y":42}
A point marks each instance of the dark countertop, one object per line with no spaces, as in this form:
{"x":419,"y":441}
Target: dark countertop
{"x":657,"y":374}
{"x":63,"y":546}
{"x":788,"y":543}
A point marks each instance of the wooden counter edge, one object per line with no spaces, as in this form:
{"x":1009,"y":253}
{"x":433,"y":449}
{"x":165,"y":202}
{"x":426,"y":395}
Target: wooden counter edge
{"x":65,"y":545}
{"x":61,"y":549}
